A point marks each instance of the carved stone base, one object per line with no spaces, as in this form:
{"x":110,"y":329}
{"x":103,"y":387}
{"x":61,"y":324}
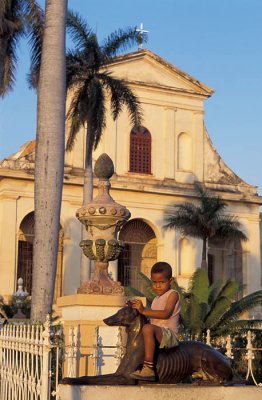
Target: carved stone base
{"x":93,"y":287}
{"x":101,"y":283}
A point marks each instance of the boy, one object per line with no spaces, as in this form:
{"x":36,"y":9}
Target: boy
{"x":164,"y":319}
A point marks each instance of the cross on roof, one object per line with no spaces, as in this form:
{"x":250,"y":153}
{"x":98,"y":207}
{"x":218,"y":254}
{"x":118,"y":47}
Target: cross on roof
{"x":141,"y":36}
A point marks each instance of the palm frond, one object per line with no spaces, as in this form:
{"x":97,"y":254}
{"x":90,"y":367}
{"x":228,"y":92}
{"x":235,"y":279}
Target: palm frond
{"x":78,"y":30}
{"x":9,"y":66}
{"x":3,"y":7}
{"x":96,"y":112}
{"x":11,"y":18}
{"x":239,"y":307}
{"x":186,"y":219}
{"x":235,"y":327}
{"x":220,"y":306}
{"x":199,"y":285}
{"x":121,"y":39}
{"x":11,"y":30}
{"x":76,"y":115}
{"x":191,"y":316}
{"x":213,"y":291}
{"x":229,"y":290}
{"x":121,"y":95}
{"x":229,"y":227}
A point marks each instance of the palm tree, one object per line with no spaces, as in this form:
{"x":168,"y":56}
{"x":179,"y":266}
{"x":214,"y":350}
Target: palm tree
{"x":205,"y":221}
{"x":49,"y":165}
{"x":18,"y":18}
{"x":90,"y":83}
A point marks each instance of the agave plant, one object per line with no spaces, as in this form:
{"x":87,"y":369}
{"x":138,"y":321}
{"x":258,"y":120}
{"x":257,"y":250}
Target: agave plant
{"x":205,"y":306}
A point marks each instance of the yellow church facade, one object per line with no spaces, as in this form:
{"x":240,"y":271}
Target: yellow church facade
{"x":155,"y":166}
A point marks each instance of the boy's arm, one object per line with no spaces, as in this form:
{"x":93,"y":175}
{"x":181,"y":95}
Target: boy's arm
{"x":158,"y":314}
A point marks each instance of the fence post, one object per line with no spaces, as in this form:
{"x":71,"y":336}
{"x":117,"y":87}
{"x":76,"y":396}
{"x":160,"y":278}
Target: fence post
{"x":72,"y":352}
{"x":229,"y":353}
{"x":208,"y":338}
{"x":250,"y":357}
{"x":119,"y":346}
{"x":46,"y":372}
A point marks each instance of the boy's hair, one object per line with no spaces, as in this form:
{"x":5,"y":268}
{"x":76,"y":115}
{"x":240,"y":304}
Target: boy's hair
{"x":162,"y":266}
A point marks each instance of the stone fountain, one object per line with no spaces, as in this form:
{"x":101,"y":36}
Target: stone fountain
{"x":102,"y":218}
{"x":100,"y":296}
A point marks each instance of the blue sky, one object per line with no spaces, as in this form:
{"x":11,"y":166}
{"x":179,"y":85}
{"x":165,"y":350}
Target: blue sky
{"x":215,"y":41}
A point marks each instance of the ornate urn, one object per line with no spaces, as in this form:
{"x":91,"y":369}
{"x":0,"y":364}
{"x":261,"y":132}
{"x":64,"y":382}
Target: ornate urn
{"x":103,"y":218}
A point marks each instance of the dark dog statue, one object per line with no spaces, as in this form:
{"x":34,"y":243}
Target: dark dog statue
{"x":173,"y":365}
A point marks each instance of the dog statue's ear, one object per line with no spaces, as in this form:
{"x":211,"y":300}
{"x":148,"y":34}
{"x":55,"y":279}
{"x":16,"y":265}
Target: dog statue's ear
{"x":129,"y":303}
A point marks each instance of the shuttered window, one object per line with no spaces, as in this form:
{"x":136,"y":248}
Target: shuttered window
{"x":140,"y":151}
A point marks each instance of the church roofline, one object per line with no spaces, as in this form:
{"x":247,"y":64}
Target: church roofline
{"x":230,"y":176}
{"x":142,"y":53}
{"x":165,"y":88}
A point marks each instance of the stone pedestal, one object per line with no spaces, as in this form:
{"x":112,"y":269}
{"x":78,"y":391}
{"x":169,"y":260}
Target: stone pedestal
{"x":157,"y":392}
{"x":84,"y":313}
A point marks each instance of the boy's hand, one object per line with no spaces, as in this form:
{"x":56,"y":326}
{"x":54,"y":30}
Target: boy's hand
{"x":138,"y":305}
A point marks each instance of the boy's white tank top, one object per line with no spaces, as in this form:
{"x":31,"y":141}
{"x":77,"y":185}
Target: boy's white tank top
{"x":159,"y":303}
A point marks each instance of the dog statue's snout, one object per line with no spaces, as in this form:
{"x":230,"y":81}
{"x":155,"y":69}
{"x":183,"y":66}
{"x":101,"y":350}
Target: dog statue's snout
{"x":109,"y":321}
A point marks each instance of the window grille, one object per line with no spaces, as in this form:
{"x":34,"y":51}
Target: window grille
{"x":140,"y":151}
{"x":139,"y":254}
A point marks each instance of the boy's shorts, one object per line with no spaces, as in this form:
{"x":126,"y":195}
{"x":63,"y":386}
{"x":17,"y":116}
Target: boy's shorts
{"x":169,"y":339}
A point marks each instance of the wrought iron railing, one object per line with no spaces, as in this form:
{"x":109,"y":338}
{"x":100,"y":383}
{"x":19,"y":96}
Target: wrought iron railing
{"x":25,"y":361}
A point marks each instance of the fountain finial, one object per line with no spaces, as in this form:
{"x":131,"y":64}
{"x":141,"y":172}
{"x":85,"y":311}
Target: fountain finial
{"x":104,"y":167}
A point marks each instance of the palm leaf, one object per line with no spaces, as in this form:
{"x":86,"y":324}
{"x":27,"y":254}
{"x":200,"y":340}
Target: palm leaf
{"x":199,"y":285}
{"x":237,"y":308}
{"x":242,"y":326}
{"x":229,"y":290}
{"x":213,"y":291}
{"x":120,"y":40}
{"x":220,"y":306}
{"x":191,"y":319}
{"x":12,"y":28}
{"x":122,"y":95}
{"x":79,"y":30}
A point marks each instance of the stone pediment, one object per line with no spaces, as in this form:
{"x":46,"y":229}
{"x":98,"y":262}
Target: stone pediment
{"x":145,"y":67}
{"x":23,"y":159}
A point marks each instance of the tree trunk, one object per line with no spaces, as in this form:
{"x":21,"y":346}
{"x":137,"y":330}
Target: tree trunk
{"x":49,"y":165}
{"x":204,"y":254}
{"x":85,"y":268}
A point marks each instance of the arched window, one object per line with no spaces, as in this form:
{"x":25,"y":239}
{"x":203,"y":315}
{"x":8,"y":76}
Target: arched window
{"x":140,"y":151}
{"x":184,"y":152}
{"x":25,"y":255}
{"x":25,"y":251}
{"x":139,"y":254}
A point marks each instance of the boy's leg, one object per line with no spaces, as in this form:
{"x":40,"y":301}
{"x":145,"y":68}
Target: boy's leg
{"x":152,"y":334}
